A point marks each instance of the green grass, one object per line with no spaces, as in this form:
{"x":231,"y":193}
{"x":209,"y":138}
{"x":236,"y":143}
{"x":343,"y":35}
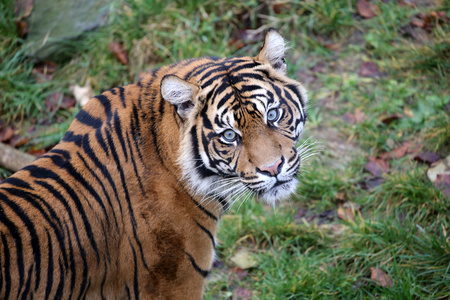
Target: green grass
{"x":401,"y":226}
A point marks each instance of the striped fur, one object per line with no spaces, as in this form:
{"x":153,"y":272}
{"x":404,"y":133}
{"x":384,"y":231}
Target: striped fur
{"x":127,"y":204}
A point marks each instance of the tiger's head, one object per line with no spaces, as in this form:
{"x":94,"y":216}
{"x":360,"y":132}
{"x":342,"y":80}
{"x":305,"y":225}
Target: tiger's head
{"x":241,"y":119}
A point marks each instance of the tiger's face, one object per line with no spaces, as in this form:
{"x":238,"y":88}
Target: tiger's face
{"x":242,"y":126}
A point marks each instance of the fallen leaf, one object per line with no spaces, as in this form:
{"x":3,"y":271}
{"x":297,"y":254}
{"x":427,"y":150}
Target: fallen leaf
{"x":58,"y":100}
{"x":300,"y":214}
{"x":67,"y":102}
{"x":22,"y":9}
{"x":418,"y":22}
{"x":37,"y":152}
{"x":279,"y":7}
{"x":18,"y":141}
{"x":22,"y":28}
{"x":408,"y":112}
{"x":118,"y":51}
{"x":380,"y":277}
{"x":369,"y":69}
{"x":6,"y":134}
{"x":244,"y":259}
{"x":44,"y":72}
{"x":346,"y":213}
{"x":406,"y":3}
{"x":355,"y":118}
{"x":391,"y":118}
{"x":82,"y":94}
{"x":443,"y":183}
{"x":371,"y":183}
{"x":340,"y":196}
{"x":440,"y":167}
{"x":376,"y":166}
{"x":427,"y":157}
{"x":237,"y":274}
{"x":242,"y":293}
{"x":366,"y":9}
{"x":397,"y":152}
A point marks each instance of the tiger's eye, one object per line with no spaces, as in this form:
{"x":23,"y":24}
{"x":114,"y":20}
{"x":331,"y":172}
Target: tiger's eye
{"x":272,"y":114}
{"x":229,"y":135}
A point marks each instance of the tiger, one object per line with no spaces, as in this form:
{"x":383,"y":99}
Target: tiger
{"x":127,"y":204}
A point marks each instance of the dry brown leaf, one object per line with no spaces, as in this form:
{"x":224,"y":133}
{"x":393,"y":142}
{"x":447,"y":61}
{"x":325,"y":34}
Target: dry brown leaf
{"x":6,"y":134}
{"x":366,"y":9}
{"x":237,"y":273}
{"x":371,"y":183}
{"x":44,"y":72}
{"x":242,"y":293}
{"x":380,"y":277}
{"x":22,"y":9}
{"x":18,"y":141}
{"x":377,"y":166}
{"x":369,"y":69}
{"x":390,"y":118}
{"x":397,"y":152}
{"x":118,"y":51}
{"x":22,"y":28}
{"x":427,"y":157}
{"x":443,"y":183}
{"x":346,"y":213}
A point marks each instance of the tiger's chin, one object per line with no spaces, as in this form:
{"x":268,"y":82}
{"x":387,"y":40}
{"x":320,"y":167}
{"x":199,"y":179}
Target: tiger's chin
{"x":279,"y":192}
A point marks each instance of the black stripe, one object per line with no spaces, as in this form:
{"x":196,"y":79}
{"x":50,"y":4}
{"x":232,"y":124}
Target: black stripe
{"x":136,"y":132}
{"x":295,"y":90}
{"x":104,"y":100}
{"x":28,"y":283}
{"x":207,"y":212}
{"x":199,"y":166}
{"x":208,"y":233}
{"x":88,"y":150}
{"x":134,"y":165}
{"x":34,"y":201}
{"x":50,"y":267}
{"x":73,"y":266}
{"x":38,"y":172}
{"x":85,"y":118}
{"x":127,"y":195}
{"x":135,"y":281}
{"x":18,"y":183}
{"x":101,"y":141}
{"x":70,"y":137}
{"x":122,"y":96}
{"x":7,"y":265}
{"x":65,"y":164}
{"x":202,"y":272}
{"x":118,"y":130}
{"x":105,"y":192}
{"x":35,"y":244}
{"x":59,"y":290}
{"x":102,"y":286}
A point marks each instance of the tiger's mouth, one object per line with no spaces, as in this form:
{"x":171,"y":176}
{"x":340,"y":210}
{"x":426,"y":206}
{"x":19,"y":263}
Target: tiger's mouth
{"x":271,"y":192}
{"x":280,"y":190}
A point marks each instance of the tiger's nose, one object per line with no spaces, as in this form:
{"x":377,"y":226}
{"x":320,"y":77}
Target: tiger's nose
{"x":273,"y":169}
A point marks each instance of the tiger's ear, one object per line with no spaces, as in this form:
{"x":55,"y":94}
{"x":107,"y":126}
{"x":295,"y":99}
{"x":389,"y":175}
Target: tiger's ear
{"x":179,"y":93}
{"x":272,"y":51}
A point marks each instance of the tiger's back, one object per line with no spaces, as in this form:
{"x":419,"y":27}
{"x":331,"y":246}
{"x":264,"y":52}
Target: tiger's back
{"x":127,"y":204}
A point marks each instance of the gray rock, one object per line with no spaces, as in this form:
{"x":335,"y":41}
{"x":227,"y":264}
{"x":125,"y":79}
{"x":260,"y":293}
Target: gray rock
{"x":55,"y":26}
